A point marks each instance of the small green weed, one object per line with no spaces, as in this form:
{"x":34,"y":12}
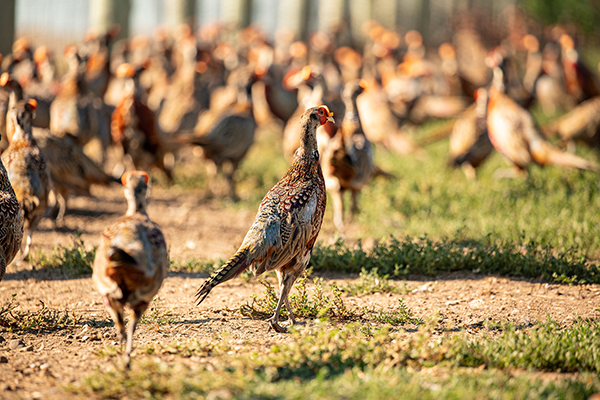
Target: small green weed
{"x":158,"y":317}
{"x":403,"y":315}
{"x":303,"y":305}
{"x":371,"y":282}
{"x":74,"y":260}
{"x":322,"y":305}
{"x":194,"y":265}
{"x":44,"y":319}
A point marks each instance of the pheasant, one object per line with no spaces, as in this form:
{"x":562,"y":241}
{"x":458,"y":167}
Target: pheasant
{"x":231,"y":136}
{"x":348,"y":158}
{"x":11,"y":222}
{"x":513,"y":133}
{"x":133,"y":127}
{"x":469,"y":141}
{"x":27,"y":169}
{"x":131,"y":261}
{"x":288,"y":221}
{"x":581,"y":123}
{"x":72,"y":172}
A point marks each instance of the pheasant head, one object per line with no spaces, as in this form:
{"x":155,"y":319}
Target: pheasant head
{"x":310,"y":121}
{"x":136,"y":191}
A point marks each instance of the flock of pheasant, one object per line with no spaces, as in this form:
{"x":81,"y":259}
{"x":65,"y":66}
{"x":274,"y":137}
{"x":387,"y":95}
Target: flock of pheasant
{"x":132,"y":105}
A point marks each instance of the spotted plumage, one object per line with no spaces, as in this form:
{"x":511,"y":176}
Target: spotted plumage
{"x":11,"y":222}
{"x":288,"y":221}
{"x":131,"y":261}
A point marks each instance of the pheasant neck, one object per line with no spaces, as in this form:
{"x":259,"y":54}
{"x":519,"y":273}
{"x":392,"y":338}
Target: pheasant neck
{"x":308,"y":142}
{"x":498,"y":80}
{"x":137,"y":206}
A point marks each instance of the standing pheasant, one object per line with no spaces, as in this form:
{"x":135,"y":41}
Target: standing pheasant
{"x":348,"y":158}
{"x":514,"y":134}
{"x":11,"y":222}
{"x":131,"y":261}
{"x":288,"y":221}
{"x":27,"y":169}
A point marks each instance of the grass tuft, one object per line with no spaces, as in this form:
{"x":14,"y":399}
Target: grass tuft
{"x":45,"y":319}
{"x":72,"y":260}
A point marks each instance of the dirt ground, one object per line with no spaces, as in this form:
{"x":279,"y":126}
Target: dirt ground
{"x":199,"y":228}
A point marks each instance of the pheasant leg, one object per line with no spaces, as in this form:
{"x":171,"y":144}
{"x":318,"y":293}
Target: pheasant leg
{"x":338,"y":209}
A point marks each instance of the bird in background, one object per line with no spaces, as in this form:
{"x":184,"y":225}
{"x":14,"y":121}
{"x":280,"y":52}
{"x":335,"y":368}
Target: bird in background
{"x":348,"y":157}
{"x":513,"y":132}
{"x":288,"y":222}
{"x":27,"y":169}
{"x":131,"y":261}
{"x":469,"y":141}
{"x":134,"y":130}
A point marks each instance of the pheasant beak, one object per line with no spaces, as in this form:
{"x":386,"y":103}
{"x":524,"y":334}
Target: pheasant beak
{"x":328,"y":114}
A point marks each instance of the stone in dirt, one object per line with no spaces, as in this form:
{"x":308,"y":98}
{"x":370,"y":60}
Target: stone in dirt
{"x":15,"y":344}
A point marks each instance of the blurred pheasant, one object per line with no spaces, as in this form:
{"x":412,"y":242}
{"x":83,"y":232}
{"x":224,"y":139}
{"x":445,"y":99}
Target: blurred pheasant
{"x":514,"y":134}
{"x":231,"y":135}
{"x":469,"y":141}
{"x":288,"y":221}
{"x":11,"y":222}
{"x":72,"y":172}
{"x":27,"y":169}
{"x":134,"y":129}
{"x":580,"y":124}
{"x":348,"y":159}
{"x":131,"y":261}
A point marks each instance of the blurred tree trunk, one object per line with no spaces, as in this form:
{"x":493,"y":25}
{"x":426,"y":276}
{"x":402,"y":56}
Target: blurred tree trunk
{"x":408,"y":14}
{"x":331,"y":13}
{"x":292,"y":16}
{"x":384,"y":11}
{"x":7,"y":26}
{"x":360,"y":12}
{"x":179,"y":12}
{"x":236,"y":12}
{"x":105,"y":13}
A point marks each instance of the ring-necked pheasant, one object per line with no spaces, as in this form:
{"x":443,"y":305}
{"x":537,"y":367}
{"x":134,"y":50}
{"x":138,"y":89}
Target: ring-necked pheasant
{"x":131,"y":261}
{"x":27,"y":169}
{"x":513,"y":132}
{"x":288,"y":221}
{"x":348,"y":158}
{"x":11,"y":222}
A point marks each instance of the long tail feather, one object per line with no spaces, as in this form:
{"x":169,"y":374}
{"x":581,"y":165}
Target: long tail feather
{"x":562,"y":159}
{"x":235,"y":266}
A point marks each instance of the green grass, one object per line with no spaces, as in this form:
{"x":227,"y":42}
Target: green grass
{"x":344,"y":363}
{"x":424,"y":256}
{"x":323,"y":305}
{"x":554,"y":207}
{"x":370,"y":281}
{"x":155,"y":316}
{"x":74,"y":260}
{"x":45,"y":319}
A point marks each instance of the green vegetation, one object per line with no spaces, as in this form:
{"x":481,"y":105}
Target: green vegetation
{"x":72,"y":260}
{"x":156,"y":316}
{"x":371,"y":282}
{"x":344,"y":363}
{"x":397,"y":259}
{"x":45,"y":319}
